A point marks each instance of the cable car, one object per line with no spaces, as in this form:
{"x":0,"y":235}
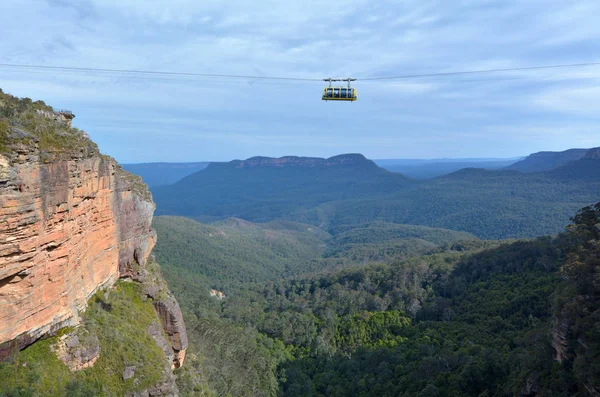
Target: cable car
{"x":339,"y":93}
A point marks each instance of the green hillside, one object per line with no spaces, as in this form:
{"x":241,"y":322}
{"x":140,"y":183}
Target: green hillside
{"x":235,"y":250}
{"x":384,"y":242}
{"x":378,"y":232}
{"x":489,"y":204}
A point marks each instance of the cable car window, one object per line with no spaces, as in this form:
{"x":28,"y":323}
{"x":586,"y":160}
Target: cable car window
{"x":336,"y":93}
{"x":343,"y":93}
{"x":330,"y":92}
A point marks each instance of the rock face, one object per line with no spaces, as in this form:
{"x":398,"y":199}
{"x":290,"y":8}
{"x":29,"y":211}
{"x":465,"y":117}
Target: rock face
{"x":168,"y":387}
{"x":71,"y":222}
{"x":67,"y":229}
{"x":167,"y":309}
{"x":65,"y":116}
{"x":172,"y":322}
{"x":77,"y":354}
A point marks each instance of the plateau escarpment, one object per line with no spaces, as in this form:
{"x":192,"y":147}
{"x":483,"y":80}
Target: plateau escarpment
{"x":71,"y":222}
{"x":351,"y":159}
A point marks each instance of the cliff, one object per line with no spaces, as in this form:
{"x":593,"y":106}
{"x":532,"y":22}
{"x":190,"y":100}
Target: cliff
{"x":72,"y":222}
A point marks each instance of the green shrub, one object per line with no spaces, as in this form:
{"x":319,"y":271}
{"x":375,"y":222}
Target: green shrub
{"x":3,"y":135}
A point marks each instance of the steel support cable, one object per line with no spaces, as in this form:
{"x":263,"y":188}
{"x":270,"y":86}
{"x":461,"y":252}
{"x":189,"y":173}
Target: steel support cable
{"x":234,"y":76}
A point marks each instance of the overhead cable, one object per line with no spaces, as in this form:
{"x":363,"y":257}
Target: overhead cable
{"x":285,"y":78}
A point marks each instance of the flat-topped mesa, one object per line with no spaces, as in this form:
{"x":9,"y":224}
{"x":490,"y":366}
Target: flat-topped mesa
{"x":295,"y":161}
{"x":71,"y":222}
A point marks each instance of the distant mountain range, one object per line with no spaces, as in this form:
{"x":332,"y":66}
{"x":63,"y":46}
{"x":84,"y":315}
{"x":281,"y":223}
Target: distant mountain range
{"x":426,"y":169}
{"x":349,"y":189}
{"x":160,"y":174}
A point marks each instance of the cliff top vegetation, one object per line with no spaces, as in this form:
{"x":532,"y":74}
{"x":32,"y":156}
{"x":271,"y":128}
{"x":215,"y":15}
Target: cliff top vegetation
{"x":25,"y":124}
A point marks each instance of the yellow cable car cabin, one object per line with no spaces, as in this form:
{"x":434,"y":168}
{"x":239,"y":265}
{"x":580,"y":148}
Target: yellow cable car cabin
{"x":340,"y":93}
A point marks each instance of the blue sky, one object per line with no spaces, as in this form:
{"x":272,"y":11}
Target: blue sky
{"x":149,"y":118}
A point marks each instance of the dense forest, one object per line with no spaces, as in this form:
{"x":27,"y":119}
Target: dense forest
{"x":233,"y":251}
{"x":468,"y":318}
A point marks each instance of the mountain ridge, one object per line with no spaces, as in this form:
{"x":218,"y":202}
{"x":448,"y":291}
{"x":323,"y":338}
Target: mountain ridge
{"x":489,"y":203}
{"x":263,"y":190}
{"x":355,"y":159}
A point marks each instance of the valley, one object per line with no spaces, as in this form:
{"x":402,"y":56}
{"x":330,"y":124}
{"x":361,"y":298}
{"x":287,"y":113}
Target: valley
{"x":327,"y":292}
{"x":449,"y":316}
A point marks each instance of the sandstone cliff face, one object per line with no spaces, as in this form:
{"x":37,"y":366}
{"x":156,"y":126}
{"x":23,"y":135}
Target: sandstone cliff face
{"x":67,"y":229}
{"x":71,"y":222}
